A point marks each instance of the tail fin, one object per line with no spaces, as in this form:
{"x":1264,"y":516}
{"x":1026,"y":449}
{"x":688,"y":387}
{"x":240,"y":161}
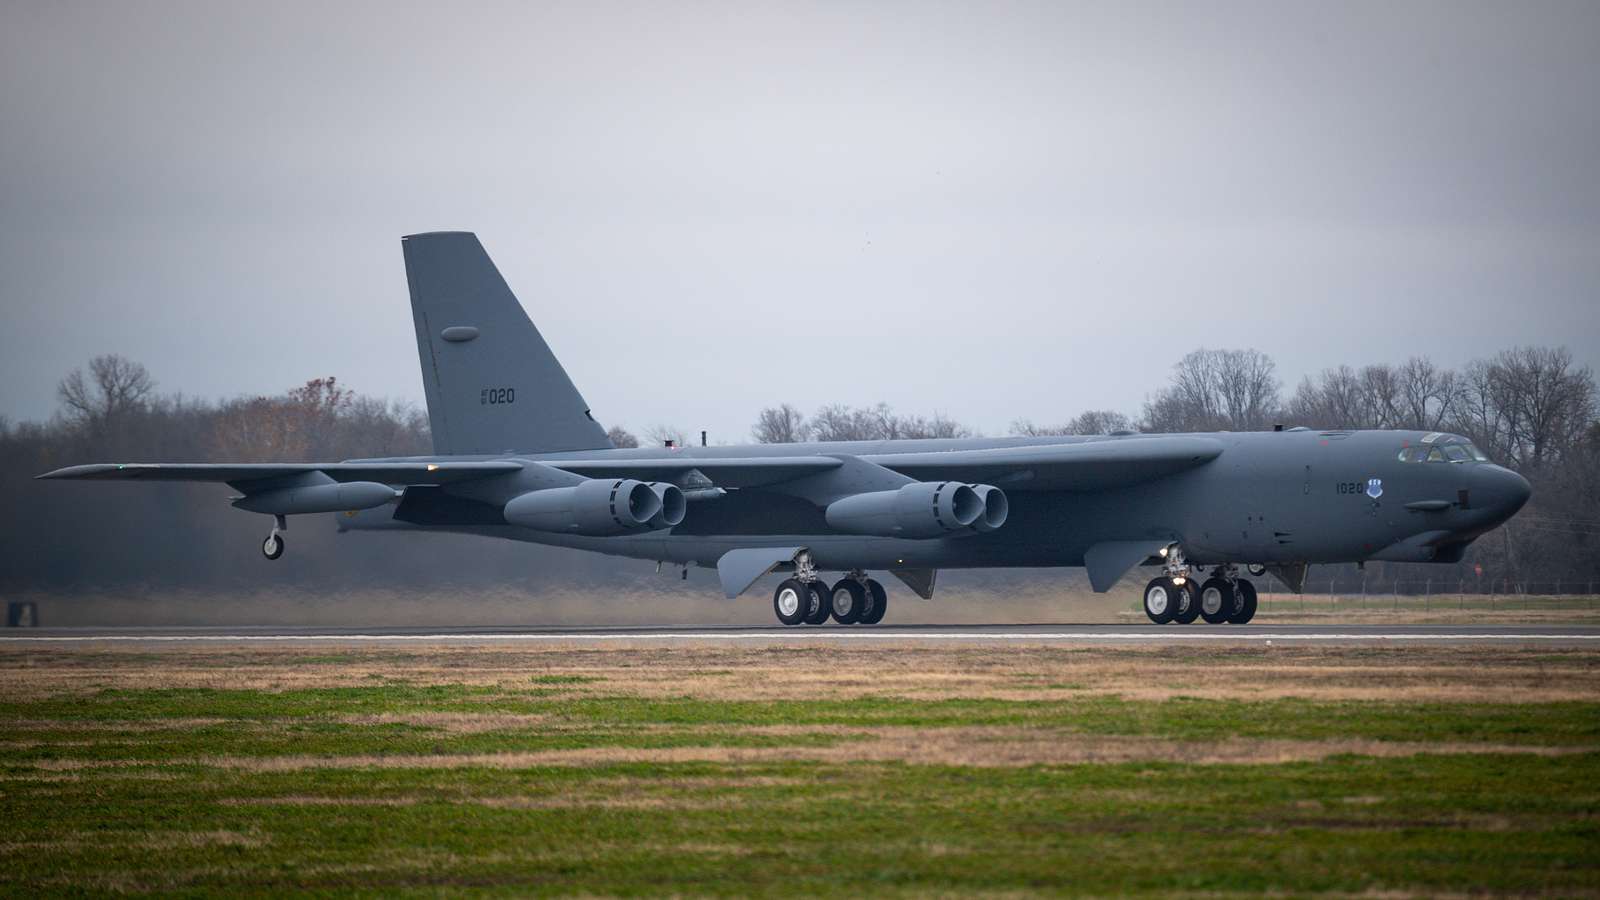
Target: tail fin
{"x":493,"y":385}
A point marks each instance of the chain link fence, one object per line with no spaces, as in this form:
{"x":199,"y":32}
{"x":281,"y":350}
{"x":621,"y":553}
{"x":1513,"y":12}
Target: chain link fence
{"x":1432,"y":594}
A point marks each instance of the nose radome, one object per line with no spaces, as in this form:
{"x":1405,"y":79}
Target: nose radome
{"x":1503,"y":491}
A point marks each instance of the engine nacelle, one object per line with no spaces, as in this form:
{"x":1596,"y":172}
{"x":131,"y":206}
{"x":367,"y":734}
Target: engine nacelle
{"x":674,"y":505}
{"x":599,"y":506}
{"x":995,"y":507}
{"x":925,"y":509}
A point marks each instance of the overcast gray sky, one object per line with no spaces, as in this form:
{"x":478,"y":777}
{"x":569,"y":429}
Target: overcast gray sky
{"x":991,"y":210}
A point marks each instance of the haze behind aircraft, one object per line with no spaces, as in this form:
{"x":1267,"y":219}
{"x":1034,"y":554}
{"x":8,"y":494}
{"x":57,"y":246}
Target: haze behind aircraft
{"x":518,"y":455}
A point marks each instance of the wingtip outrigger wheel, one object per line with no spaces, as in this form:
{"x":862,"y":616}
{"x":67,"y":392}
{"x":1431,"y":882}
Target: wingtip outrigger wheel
{"x":272,"y":547}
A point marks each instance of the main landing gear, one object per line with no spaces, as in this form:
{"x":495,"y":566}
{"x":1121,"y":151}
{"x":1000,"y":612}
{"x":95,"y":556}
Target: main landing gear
{"x":1173,"y":596}
{"x":806,"y":599}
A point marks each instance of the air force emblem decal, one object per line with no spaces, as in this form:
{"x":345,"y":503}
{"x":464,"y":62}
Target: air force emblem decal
{"x":1374,"y":488}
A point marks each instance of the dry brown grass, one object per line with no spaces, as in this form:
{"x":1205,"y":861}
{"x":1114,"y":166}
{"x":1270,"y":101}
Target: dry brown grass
{"x":1484,"y":673}
{"x":1498,"y":673}
{"x":982,"y":747}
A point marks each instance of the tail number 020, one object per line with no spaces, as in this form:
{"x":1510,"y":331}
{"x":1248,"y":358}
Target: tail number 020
{"x":497,"y":396}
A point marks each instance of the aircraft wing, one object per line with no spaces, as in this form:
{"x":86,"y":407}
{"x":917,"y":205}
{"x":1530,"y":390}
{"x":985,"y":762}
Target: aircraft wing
{"x":244,"y":473}
{"x":1086,"y":466}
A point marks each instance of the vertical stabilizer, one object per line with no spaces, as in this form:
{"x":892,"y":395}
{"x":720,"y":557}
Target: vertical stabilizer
{"x":492,"y":383}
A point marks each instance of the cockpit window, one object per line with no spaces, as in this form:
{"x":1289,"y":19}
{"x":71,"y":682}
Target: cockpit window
{"x":1449,"y":449}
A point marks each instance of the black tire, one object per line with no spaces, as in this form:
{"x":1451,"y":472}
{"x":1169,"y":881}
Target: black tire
{"x":877,"y":604}
{"x":1220,"y":592}
{"x":1160,"y":599}
{"x":1188,"y":603}
{"x":817,"y":611}
{"x":847,"y":601}
{"x":273,"y":546}
{"x":1244,"y":608}
{"x":791,"y":601}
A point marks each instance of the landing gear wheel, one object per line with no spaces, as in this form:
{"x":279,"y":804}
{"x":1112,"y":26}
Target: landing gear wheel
{"x":1216,"y":601}
{"x":817,"y":610}
{"x":1188,"y":603}
{"x":1160,"y":600}
{"x":849,"y":601}
{"x":877,"y":604}
{"x":272,"y":547}
{"x":791,"y":601}
{"x":1244,"y":606}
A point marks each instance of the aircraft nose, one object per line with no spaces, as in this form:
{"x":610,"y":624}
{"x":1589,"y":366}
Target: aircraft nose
{"x":1500,"y":490}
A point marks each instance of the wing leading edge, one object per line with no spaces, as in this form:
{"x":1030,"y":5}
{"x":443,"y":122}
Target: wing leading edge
{"x":1087,"y":466}
{"x":243,"y":473}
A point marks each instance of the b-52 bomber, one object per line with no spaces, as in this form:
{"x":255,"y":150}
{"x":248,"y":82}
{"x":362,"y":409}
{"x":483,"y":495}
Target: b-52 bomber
{"x":517,"y":455}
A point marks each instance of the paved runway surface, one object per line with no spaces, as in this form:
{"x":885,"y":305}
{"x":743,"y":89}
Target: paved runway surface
{"x":888,"y":634}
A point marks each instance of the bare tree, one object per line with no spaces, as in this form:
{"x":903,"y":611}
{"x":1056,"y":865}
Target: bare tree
{"x":621,"y":437}
{"x":1099,"y":421}
{"x":1479,"y":411}
{"x":1428,"y":394}
{"x":1343,"y":397}
{"x":1216,"y":389}
{"x":781,"y":424}
{"x":1548,"y":401}
{"x":659,"y":435}
{"x":1380,"y":397}
{"x":938,"y":426}
{"x":837,"y":422}
{"x":1094,"y":421}
{"x":114,"y":387}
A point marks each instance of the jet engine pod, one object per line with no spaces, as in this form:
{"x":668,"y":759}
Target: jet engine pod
{"x":599,"y":506}
{"x":673,"y":505}
{"x":922,"y":510}
{"x":995,"y":507}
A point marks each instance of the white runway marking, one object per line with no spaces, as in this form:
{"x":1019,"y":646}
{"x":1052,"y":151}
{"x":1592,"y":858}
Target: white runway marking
{"x":1038,"y":636}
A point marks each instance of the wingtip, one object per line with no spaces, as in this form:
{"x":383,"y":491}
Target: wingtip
{"x":438,"y":234}
{"x":72,"y":472}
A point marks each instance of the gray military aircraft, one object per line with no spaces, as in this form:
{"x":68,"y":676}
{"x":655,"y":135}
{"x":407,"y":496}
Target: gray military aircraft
{"x":517,"y":455}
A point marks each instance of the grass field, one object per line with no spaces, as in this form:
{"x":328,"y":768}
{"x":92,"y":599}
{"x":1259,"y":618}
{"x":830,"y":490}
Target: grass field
{"x":810,"y":769}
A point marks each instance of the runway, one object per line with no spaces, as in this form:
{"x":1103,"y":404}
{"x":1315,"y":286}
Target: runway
{"x":883,"y":634}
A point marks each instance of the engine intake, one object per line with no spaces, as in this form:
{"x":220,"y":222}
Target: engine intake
{"x":599,"y":507}
{"x":925,"y":509}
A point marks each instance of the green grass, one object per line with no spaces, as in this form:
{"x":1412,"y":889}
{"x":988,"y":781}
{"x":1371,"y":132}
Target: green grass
{"x":1569,"y":723}
{"x":1439,"y":823}
{"x":162,"y":821}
